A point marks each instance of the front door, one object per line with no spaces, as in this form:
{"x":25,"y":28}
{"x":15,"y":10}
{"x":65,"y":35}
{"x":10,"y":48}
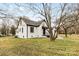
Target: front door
{"x":43,"y":31}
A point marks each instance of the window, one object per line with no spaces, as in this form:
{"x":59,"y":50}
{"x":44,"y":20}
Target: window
{"x":22,"y":29}
{"x":31,"y":29}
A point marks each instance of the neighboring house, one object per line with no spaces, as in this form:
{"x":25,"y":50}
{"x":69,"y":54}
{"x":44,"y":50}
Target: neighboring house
{"x":29,"y":29}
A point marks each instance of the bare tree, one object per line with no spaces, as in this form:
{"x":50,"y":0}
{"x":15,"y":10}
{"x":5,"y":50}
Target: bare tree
{"x":68,"y":23}
{"x":66,"y":19}
{"x":45,"y":11}
{"x":3,"y":29}
{"x":7,"y":17}
{"x":73,"y":19}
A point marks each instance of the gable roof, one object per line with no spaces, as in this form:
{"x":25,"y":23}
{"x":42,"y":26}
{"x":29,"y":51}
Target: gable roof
{"x":30,"y":22}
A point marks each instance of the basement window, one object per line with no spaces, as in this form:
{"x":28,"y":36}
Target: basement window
{"x":31,"y":29}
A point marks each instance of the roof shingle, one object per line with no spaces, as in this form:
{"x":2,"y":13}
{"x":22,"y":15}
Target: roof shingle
{"x":30,"y":22}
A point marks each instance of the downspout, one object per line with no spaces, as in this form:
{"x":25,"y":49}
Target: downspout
{"x":27,"y":31}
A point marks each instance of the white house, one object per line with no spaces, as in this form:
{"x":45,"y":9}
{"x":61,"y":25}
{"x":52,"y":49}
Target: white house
{"x":30,"y":29}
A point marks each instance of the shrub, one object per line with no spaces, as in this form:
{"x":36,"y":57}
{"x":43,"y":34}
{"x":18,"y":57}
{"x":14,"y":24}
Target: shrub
{"x":16,"y":36}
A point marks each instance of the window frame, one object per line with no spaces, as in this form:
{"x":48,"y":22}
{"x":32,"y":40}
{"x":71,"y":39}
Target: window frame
{"x":31,"y":29}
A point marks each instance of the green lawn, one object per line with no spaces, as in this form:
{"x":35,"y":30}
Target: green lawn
{"x":39,"y":46}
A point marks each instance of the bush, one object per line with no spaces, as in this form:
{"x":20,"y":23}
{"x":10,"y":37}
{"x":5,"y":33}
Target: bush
{"x":12,"y":30}
{"x":16,"y":36}
{"x":0,"y":35}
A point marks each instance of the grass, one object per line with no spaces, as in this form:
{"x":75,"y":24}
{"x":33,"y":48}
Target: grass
{"x":10,"y":46}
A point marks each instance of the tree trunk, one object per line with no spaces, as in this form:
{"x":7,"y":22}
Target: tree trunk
{"x":53,"y":35}
{"x":65,"y":32}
